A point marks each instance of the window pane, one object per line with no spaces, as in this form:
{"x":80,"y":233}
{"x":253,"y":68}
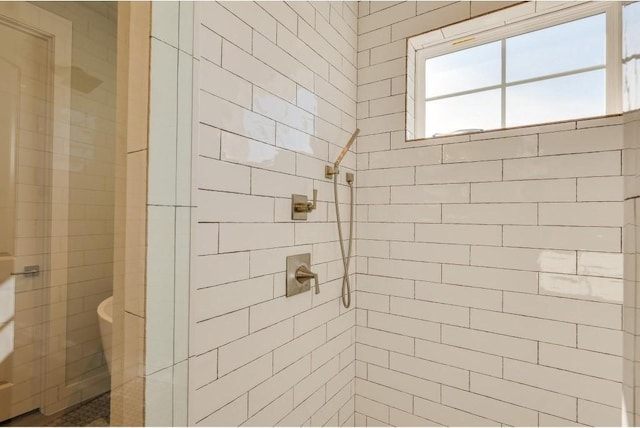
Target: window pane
{"x":562,"y":98}
{"x":463,"y":70}
{"x":556,"y":49}
{"x":480,"y":110}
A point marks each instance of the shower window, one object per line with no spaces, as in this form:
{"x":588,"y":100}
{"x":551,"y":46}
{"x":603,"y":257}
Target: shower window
{"x":557,"y":66}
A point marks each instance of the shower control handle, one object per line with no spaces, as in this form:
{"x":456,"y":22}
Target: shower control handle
{"x":300,"y":205}
{"x":303,"y":273}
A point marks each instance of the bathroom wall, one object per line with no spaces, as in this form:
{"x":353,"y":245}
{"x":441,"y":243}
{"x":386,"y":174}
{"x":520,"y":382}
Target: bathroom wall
{"x":274,"y":100}
{"x":489,"y":266}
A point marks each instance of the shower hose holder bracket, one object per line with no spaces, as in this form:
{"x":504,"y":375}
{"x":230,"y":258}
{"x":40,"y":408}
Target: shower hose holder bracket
{"x":330,"y":171}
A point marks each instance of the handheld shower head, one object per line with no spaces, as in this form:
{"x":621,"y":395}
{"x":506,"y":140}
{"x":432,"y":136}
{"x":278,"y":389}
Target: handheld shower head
{"x":345,"y":149}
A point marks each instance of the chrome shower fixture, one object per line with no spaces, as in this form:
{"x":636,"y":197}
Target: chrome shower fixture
{"x":330,"y":171}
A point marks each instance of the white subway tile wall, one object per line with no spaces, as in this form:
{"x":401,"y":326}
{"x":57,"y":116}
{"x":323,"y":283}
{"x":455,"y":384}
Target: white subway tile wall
{"x":490,"y":268}
{"x":276,"y":101}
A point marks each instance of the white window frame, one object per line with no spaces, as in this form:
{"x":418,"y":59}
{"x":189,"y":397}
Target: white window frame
{"x":516,"y":25}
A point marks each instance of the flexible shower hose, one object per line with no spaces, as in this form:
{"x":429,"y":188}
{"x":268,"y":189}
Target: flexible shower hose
{"x":346,"y":284}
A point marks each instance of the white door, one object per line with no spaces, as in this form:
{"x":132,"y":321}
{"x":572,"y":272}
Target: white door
{"x":24,"y":130}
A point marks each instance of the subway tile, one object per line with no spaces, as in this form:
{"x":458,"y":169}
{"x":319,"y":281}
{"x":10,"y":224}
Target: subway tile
{"x":341,"y":324}
{"x":254,"y":236}
{"x":523,"y":213}
{"x":277,"y":310}
{"x":232,"y":207}
{"x":605,"y":239}
{"x":524,"y":395}
{"x":203,"y":369}
{"x":303,"y":412}
{"x":217,"y":175}
{"x":595,"y":414}
{"x":311,"y":233}
{"x":370,"y":354}
{"x":218,"y":81}
{"x":242,"y":351}
{"x":376,"y":302}
{"x":282,"y":111}
{"x":211,"y":45}
{"x":461,"y":296}
{"x":233,"y":414}
{"x":410,"y":270}
{"x":440,"y":17}
{"x":255,"y":17}
{"x":382,"y":394}
{"x":381,"y":177}
{"x":459,"y":234}
{"x":405,"y":213}
{"x":525,"y":327}
{"x":230,"y":117}
{"x":582,"y":140}
{"x":220,"y":269}
{"x":386,"y":286}
{"x":459,"y":173}
{"x":552,"y":421}
{"x":331,"y":349}
{"x":207,"y":242}
{"x":273,"y":412}
{"x":374,"y":38}
{"x":487,"y":407}
{"x":600,"y":189}
{"x":332,"y":406}
{"x":377,"y":413}
{"x":214,"y":301}
{"x":385,"y":340}
{"x":525,"y":191}
{"x":391,"y":231}
{"x":581,"y":214}
{"x":448,"y":416}
{"x":390,"y":105}
{"x":209,"y":141}
{"x":273,"y":387}
{"x":564,"y":382}
{"x":403,"y":382}
{"x":498,"y":279}
{"x":299,"y":142}
{"x":402,"y":325}
{"x":381,"y":124}
{"x":228,"y":327}
{"x":272,"y":260}
{"x":223,"y":22}
{"x":224,"y":390}
{"x":582,"y":287}
{"x":580,"y":361}
{"x":435,"y":372}
{"x":524,"y":259}
{"x":319,"y":377}
{"x":385,"y":18}
{"x":295,"y":350}
{"x":491,"y":343}
{"x":428,"y":311}
{"x":431,"y":194}
{"x":314,"y":317}
{"x":465,"y":359}
{"x":598,"y":339}
{"x":600,"y":264}
{"x":255,"y":71}
{"x":373,"y":195}
{"x":493,"y":149}
{"x":428,"y":252}
{"x":406,"y":157}
{"x":403,"y":419}
{"x":569,"y":310}
{"x":562,"y":166}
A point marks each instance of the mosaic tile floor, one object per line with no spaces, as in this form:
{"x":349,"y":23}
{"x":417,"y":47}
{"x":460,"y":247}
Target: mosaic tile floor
{"x":93,"y":413}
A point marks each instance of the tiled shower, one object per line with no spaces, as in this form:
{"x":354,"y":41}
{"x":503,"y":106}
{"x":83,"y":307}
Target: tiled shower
{"x":489,"y":274}
{"x":494,"y":273}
